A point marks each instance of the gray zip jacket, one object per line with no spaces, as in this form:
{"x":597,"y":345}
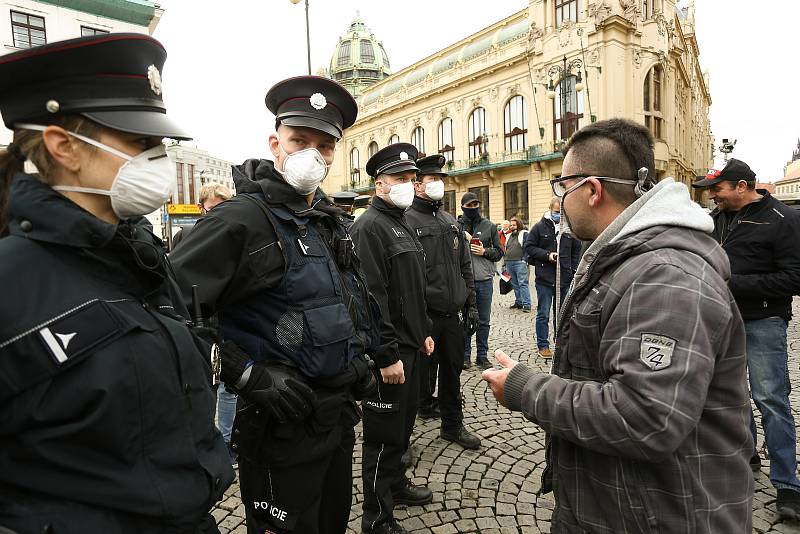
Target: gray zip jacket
{"x":647,"y":409}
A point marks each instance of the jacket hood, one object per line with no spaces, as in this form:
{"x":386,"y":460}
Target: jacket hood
{"x":251,"y":171}
{"x":664,"y":217}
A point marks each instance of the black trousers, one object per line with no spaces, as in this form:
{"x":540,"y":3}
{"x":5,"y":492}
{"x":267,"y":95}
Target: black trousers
{"x":308,"y":497}
{"x":448,"y":339}
{"x":387,"y":432}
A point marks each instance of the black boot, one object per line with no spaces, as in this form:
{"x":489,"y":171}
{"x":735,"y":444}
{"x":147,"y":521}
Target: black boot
{"x":390,"y":527}
{"x":464,"y":438}
{"x":411,"y":494}
{"x":788,"y":504}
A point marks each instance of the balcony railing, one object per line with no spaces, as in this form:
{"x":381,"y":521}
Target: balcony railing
{"x":540,"y":152}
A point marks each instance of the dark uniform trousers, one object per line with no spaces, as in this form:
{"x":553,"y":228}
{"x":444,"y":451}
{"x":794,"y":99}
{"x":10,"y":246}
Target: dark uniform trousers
{"x":283,"y":492}
{"x":448,"y":339}
{"x":381,"y":470}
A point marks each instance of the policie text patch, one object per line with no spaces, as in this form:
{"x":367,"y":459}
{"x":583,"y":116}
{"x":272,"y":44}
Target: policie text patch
{"x":656,"y":351}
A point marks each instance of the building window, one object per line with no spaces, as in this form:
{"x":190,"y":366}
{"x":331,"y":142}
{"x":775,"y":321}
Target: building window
{"x":567,"y":109}
{"x":355,"y":174}
{"x":418,"y":140}
{"x":372,"y":149}
{"x":179,"y":194}
{"x":385,"y":59}
{"x":516,"y":200}
{"x":191,"y":183}
{"x":86,"y":31}
{"x":394,"y":139}
{"x":478,"y":140}
{"x":651,"y":101}
{"x":483,"y":197}
{"x":449,"y":202}
{"x":28,"y":30}
{"x":344,"y":54}
{"x":648,"y":9}
{"x":566,"y":10}
{"x":367,"y":52}
{"x":446,"y":147}
{"x":516,"y":126}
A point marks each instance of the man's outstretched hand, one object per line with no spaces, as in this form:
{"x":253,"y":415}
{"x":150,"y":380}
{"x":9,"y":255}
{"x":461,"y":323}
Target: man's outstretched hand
{"x":497,"y":377}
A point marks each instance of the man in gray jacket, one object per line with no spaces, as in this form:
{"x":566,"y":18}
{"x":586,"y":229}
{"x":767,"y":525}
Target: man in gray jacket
{"x":647,"y":409}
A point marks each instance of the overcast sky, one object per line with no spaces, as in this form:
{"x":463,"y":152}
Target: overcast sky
{"x":224,"y":56}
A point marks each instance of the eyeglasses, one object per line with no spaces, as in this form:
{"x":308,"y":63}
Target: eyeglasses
{"x":560,"y":189}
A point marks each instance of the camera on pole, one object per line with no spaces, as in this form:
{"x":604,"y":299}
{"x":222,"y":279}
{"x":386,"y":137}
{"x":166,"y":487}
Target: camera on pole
{"x":726,"y":148}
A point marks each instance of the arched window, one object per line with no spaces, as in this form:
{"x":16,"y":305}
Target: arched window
{"x":516,"y":126}
{"x":394,"y":139}
{"x":446,"y":146}
{"x":418,"y":140}
{"x":653,"y":118}
{"x":371,"y":149}
{"x":478,"y":140}
{"x":567,"y":109}
{"x":355,"y":174}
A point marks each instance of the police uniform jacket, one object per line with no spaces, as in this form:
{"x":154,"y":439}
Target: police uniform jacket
{"x":393,"y":260}
{"x":105,"y":394}
{"x":450,"y":286}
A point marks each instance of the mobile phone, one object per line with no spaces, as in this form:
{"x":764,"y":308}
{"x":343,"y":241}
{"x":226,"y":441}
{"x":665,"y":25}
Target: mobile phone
{"x":475,"y":241}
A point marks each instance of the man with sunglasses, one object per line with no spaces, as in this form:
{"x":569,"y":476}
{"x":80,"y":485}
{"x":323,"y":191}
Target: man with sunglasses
{"x":647,"y":407}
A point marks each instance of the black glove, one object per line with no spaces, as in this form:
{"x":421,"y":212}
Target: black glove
{"x":366,"y":386}
{"x":276,"y":388}
{"x":472,"y":321}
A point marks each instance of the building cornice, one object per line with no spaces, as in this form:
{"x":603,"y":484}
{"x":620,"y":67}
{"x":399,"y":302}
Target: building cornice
{"x":139,"y":12}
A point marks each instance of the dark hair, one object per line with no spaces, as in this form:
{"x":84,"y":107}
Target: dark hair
{"x":520,"y":224}
{"x":30,"y":145}
{"x":616,"y":148}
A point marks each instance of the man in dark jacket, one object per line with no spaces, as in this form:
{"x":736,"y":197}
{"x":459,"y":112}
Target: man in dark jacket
{"x":394,"y":263}
{"x":543,"y":252}
{"x":760,"y":236}
{"x":450,"y":294}
{"x":275,"y":263}
{"x":484,"y":245}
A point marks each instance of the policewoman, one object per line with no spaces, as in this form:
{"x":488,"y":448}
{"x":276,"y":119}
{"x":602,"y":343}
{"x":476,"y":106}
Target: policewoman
{"x":394,"y":262}
{"x":106,"y":396}
{"x":275,"y":265}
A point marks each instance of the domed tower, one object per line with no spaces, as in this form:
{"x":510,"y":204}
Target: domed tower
{"x":359,"y":59}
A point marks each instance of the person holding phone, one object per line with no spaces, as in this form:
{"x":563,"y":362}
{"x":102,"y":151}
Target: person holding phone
{"x":485,"y":250}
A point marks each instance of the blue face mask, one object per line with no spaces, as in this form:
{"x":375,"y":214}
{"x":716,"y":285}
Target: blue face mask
{"x":556,"y":217}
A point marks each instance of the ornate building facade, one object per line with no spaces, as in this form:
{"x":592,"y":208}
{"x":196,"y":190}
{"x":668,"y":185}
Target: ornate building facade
{"x":500,"y":103}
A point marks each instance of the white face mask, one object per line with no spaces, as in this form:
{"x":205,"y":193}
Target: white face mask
{"x":435,"y":190}
{"x":143,"y":184}
{"x":304,"y":170}
{"x":402,"y":195}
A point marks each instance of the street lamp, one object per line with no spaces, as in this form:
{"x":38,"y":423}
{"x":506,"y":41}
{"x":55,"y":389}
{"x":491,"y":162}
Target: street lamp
{"x":562,"y":71}
{"x":308,"y":35}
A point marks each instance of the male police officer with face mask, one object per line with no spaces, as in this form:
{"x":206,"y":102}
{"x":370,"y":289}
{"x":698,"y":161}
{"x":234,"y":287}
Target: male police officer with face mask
{"x":276,"y":264}
{"x":450,"y":293}
{"x":394,"y":262}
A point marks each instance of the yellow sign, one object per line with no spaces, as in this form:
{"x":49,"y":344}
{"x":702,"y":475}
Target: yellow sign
{"x":183,"y":209}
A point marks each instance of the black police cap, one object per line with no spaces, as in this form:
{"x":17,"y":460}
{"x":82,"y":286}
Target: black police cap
{"x":361,"y":201}
{"x":114,"y":79}
{"x":431,"y":165}
{"x":313,"y":102}
{"x":344,"y":198}
{"x":399,"y":157}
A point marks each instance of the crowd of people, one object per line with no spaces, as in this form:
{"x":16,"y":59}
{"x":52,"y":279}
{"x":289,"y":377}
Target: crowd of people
{"x":288,"y":316}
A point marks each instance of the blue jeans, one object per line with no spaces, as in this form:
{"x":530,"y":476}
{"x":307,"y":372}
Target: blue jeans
{"x":544,"y":303}
{"x":483,"y":295}
{"x":226,"y":411}
{"x":770,"y":387}
{"x":518,"y":270}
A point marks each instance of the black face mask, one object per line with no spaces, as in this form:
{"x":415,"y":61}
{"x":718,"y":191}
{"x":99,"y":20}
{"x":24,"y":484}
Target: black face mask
{"x":472,"y":213}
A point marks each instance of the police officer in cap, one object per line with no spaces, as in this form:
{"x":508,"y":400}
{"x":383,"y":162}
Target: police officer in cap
{"x":394,"y":262}
{"x":276,"y":265}
{"x":360,"y":204}
{"x":450,"y":293}
{"x":106,"y":394}
{"x":344,"y":200}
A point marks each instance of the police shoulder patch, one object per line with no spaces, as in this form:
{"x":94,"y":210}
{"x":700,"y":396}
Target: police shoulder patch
{"x":656,"y":351}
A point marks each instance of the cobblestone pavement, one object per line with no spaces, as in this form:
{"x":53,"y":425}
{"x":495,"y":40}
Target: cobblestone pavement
{"x":493,"y":490}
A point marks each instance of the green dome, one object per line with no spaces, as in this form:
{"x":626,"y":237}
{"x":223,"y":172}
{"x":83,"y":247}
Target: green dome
{"x":359,"y":59}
